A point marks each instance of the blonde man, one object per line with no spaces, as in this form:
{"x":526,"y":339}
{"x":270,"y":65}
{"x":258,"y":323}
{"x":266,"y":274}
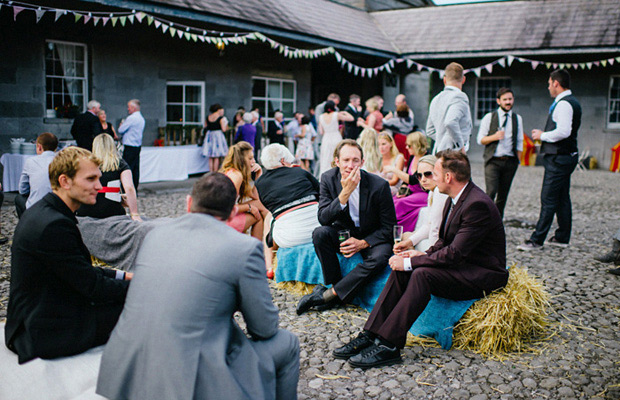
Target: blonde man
{"x":59,"y":304}
{"x":449,"y":118}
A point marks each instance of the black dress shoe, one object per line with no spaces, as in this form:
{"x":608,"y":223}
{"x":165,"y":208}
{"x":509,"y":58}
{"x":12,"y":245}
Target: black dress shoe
{"x":354,"y":347}
{"x":311,"y":300}
{"x":376,"y":355}
{"x":3,"y":239}
{"x":615,"y":271}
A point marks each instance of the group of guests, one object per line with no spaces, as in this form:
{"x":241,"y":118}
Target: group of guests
{"x":456,"y":250}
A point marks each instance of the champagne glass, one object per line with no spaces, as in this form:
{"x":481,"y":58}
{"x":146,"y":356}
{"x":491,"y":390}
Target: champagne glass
{"x":398,"y":233}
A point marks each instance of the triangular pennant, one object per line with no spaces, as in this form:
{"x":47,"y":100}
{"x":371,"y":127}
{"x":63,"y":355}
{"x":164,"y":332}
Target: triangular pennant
{"x":509,"y":60}
{"x":209,"y":39}
{"x":597,"y":63}
{"x":582,"y":65}
{"x":123,"y":20}
{"x":489,"y":68}
{"x":391,"y":63}
{"x":39,"y":14}
{"x":604,"y":63}
{"x":59,"y":13}
{"x":420,"y":67}
{"x":338,"y":57}
{"x":150,"y":20}
{"x":350,"y":67}
{"x":96,"y":20}
{"x":281,"y":49}
{"x":285,"y":52}
{"x":173,"y":31}
{"x":201,"y":38}
{"x":140,"y":16}
{"x":548,"y":65}
{"x":356,"y":70}
{"x":187,"y":35}
{"x":87,"y":18}
{"x":589,"y":65}
{"x":575,"y":65}
{"x":555,"y":66}
{"x":409,"y":63}
{"x":180,"y":33}
{"x":387,"y":68}
{"x":157,"y":24}
{"x":194,"y":37}
{"x":16,"y":10}
{"x":363,"y":72}
{"x":114,"y":20}
{"x":611,"y":61}
{"x":105,"y":20}
{"x":77,"y":17}
{"x":477,"y":71}
{"x":618,"y":59}
{"x":376,"y":71}
{"x":535,"y":64}
{"x":502,"y":62}
{"x":441,"y":73}
{"x":130,"y":18}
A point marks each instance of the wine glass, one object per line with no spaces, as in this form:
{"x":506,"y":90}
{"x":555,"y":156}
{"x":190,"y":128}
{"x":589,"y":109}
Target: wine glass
{"x":398,"y":233}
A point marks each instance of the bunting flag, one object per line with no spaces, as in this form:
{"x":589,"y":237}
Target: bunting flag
{"x":221,"y":39}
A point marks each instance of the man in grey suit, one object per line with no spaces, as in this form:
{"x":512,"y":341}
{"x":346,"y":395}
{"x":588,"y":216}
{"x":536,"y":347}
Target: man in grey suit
{"x":176,"y":337}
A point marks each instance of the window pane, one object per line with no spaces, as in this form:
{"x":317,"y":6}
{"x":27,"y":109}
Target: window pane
{"x":273,"y":90}
{"x":193,"y":94}
{"x":614,"y":101}
{"x":261,"y":106}
{"x":273,"y":106}
{"x":174,"y":113}
{"x":174,"y":94}
{"x":258,"y":88}
{"x":287,"y":109}
{"x":288,"y":90}
{"x":487,"y":89}
{"x":192,"y":114}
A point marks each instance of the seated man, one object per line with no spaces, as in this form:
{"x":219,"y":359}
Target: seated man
{"x":59,"y":305}
{"x":354,"y":200}
{"x":468,"y":261}
{"x":177,"y":338}
{"x":34,"y":182}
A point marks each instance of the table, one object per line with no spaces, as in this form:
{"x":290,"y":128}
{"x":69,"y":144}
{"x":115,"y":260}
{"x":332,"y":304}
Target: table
{"x":171,"y":163}
{"x":13,"y":165}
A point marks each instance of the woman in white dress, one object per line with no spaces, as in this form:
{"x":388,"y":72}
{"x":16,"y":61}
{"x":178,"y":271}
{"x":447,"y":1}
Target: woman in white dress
{"x":426,"y":230}
{"x":329,"y":130}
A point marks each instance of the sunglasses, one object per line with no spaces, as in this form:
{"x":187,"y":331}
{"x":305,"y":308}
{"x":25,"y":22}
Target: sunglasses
{"x":427,"y":174}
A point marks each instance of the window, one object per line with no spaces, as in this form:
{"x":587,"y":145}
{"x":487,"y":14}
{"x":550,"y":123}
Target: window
{"x":269,"y":95}
{"x":185,"y":104}
{"x":613,"y":118}
{"x":66,"y":81}
{"x":486,"y":94}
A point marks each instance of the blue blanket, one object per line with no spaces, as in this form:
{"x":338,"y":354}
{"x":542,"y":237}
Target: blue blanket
{"x":301,"y":264}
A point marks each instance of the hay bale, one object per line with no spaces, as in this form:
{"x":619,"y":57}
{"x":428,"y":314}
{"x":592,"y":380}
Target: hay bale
{"x":295,"y":287}
{"x":507,"y":320}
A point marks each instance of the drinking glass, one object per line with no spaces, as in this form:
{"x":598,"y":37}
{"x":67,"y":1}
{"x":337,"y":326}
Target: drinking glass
{"x":398,"y":233}
{"x":343,"y":235}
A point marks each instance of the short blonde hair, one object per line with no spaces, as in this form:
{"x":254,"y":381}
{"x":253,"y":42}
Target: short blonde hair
{"x":67,"y":162}
{"x":387,"y":137}
{"x":454,"y":72}
{"x":418,"y":142}
{"x":372,"y":104}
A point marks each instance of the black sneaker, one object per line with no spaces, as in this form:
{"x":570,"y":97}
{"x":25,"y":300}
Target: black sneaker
{"x":311,"y":300}
{"x":615,"y":271}
{"x":529,"y":246}
{"x":3,"y":239}
{"x":556,"y":243}
{"x":354,"y":347}
{"x":377,"y":355}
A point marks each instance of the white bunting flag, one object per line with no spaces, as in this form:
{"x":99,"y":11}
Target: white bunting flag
{"x":409,"y":63}
{"x":502,"y":62}
{"x":509,"y":59}
{"x":39,"y":14}
{"x":157,"y":24}
{"x":489,"y":68}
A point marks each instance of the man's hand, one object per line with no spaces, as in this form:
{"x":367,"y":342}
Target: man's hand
{"x":128,"y":276}
{"x":351,"y":246}
{"x":536,"y":134}
{"x":397,"y":263}
{"x":499,"y":135}
{"x":402,"y":246}
{"x":412,"y":253}
{"x":349,"y":184}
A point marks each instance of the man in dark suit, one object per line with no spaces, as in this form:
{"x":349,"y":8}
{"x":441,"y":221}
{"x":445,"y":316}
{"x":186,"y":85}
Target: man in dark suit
{"x":351,"y":130}
{"x":59,"y":305}
{"x":275,"y":129}
{"x":86,"y":126}
{"x":355,"y":200}
{"x":468,"y":261}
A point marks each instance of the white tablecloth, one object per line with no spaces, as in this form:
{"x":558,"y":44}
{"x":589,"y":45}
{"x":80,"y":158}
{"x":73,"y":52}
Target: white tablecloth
{"x":171,"y":163}
{"x":13,"y":165}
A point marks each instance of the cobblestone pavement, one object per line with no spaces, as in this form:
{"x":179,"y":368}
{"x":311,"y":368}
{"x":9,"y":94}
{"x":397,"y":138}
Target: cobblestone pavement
{"x":581,"y":359}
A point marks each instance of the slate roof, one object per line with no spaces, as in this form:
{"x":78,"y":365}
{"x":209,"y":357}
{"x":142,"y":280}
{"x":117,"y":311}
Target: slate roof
{"x":527,"y":27}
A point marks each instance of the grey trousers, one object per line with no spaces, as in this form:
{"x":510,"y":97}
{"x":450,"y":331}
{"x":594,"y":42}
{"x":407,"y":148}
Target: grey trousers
{"x":283,"y":349}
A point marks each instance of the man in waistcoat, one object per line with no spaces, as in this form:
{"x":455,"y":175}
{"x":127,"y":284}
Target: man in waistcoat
{"x":501,"y":132}
{"x":559,"y":148}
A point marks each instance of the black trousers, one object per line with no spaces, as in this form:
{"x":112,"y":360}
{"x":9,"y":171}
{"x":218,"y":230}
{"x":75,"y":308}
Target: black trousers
{"x":498,"y":175}
{"x":406,"y":295}
{"x":20,"y":204}
{"x":131,"y":154}
{"x":327,"y":246}
{"x":555,"y":198}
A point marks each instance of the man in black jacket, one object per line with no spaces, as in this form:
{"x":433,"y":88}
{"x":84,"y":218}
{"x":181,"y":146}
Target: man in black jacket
{"x":86,"y":126}
{"x":360,"y":202}
{"x":59,"y":305}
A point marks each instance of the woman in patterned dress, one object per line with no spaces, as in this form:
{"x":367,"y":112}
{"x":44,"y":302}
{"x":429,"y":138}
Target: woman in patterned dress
{"x":215,"y":146}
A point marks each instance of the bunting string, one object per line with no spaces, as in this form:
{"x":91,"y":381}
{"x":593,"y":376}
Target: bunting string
{"x":222,"y":39}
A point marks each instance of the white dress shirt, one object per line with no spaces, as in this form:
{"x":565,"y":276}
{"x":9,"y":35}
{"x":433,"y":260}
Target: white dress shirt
{"x":504,"y":147}
{"x":430,"y":228}
{"x":354,"y":206}
{"x":449,"y":120}
{"x":132,"y":129}
{"x":563,"y":117}
{"x":35,"y":179}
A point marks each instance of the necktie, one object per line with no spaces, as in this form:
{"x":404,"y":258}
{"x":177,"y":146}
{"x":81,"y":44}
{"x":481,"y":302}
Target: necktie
{"x":552,"y":107}
{"x":445,"y":224}
{"x":505,"y":121}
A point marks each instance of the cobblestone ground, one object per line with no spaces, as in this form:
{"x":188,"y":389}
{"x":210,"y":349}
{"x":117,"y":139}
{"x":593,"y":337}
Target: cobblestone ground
{"x":581,"y":359}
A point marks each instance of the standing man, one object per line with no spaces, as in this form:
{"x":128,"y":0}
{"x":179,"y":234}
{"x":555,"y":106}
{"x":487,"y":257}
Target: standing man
{"x":131,"y":130}
{"x":178,"y":338}
{"x":559,"y":146}
{"x":468,"y":261}
{"x":449,"y":118}
{"x":59,"y":304}
{"x":351,"y":130}
{"x":501,"y":132}
{"x":351,"y":199}
{"x":34,"y":182}
{"x":86,"y":126}
{"x":276,"y":129}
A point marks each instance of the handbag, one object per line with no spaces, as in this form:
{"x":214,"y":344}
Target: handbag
{"x":404,"y":190}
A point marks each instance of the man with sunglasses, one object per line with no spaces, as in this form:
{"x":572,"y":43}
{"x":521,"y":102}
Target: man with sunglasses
{"x":501,"y":134}
{"x":468,"y":261}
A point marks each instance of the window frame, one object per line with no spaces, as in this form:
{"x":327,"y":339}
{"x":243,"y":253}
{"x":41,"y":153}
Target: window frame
{"x":183,"y":104}
{"x":486,"y":78}
{"x":85,"y":80}
{"x":266,"y":98}
{"x":608,"y":123}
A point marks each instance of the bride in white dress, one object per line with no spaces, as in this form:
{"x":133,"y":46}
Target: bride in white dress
{"x":329,"y":130}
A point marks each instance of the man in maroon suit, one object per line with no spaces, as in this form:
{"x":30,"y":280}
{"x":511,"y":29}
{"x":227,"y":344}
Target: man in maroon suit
{"x":467,"y":262}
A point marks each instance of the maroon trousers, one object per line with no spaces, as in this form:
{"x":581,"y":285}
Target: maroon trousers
{"x":406,"y":295}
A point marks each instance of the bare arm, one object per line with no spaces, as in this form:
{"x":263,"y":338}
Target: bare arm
{"x":130,"y":190}
{"x":345,"y":116}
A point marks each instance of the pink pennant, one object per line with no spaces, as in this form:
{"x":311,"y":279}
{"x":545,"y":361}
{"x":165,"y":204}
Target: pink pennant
{"x":16,"y":10}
